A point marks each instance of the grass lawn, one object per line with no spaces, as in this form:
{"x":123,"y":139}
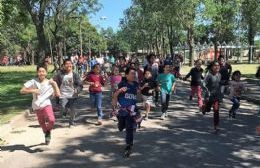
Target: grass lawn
{"x":11,"y":101}
{"x":12,"y":79}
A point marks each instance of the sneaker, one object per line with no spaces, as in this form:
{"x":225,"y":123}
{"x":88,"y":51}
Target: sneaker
{"x":128,"y":150}
{"x":234,"y":115}
{"x":99,"y":122}
{"x":146,"y":117}
{"x":163,"y":116}
{"x":166,"y":114}
{"x":47,"y":137}
{"x":64,"y":114}
{"x":203,"y":110}
{"x":229,"y":114}
{"x":71,"y":124}
{"x":157,"y":104}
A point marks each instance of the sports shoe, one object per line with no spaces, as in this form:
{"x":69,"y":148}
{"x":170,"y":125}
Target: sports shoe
{"x":99,"y":122}
{"x":163,"y":116}
{"x":71,"y":124}
{"x":166,"y":114}
{"x":157,"y":104}
{"x":128,"y":150}
{"x":146,"y":117}
{"x":47,"y":137}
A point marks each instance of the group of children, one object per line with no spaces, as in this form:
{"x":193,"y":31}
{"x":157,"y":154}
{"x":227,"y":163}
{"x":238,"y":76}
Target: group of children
{"x":124,"y":92}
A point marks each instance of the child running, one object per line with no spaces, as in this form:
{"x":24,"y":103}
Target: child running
{"x":196,"y":77}
{"x":148,"y":86}
{"x":96,"y":81}
{"x":236,"y":89}
{"x":42,"y":89}
{"x":70,"y":85}
{"x":128,"y":113}
{"x":166,"y":82}
{"x":115,"y":79}
{"x":211,"y":86}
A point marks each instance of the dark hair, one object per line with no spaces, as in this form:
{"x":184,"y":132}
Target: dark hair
{"x":220,"y":57}
{"x":211,"y":64}
{"x":94,"y":66}
{"x":148,"y":70}
{"x":198,"y":61}
{"x":166,"y":63}
{"x":234,"y":74}
{"x":148,"y":57}
{"x":120,"y":58}
{"x":41,"y":66}
{"x":128,"y":70}
{"x":66,"y":60}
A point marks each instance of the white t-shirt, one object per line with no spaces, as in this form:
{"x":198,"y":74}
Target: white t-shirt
{"x":100,"y":60}
{"x":67,"y":87}
{"x":46,"y":91}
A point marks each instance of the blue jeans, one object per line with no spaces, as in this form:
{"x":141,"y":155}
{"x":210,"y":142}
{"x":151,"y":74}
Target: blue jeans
{"x":96,"y":102}
{"x":236,"y":104}
{"x":165,"y":99}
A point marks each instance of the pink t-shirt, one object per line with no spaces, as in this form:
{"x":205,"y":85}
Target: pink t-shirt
{"x":115,"y":80}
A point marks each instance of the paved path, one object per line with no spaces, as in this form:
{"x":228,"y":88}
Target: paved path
{"x":253,"y":93}
{"x":185,"y":139}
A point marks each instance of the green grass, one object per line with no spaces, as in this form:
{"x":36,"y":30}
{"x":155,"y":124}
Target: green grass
{"x":11,"y":101}
{"x":247,"y":70}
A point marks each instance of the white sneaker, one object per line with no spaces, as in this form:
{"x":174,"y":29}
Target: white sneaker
{"x":163,"y":116}
{"x":166,"y":114}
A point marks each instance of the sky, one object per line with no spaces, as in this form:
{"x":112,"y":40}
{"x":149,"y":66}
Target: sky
{"x":112,"y":10}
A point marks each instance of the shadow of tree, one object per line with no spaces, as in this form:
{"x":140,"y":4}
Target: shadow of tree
{"x":184,"y":140}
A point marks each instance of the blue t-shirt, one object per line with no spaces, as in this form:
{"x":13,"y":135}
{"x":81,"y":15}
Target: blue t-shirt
{"x":166,"y":81}
{"x":128,"y":98}
{"x":92,"y":63}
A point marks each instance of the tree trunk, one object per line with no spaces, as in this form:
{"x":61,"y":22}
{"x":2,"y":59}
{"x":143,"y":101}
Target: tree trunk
{"x":251,"y":42}
{"x":170,"y":37}
{"x":41,"y":41}
{"x":191,"y":45}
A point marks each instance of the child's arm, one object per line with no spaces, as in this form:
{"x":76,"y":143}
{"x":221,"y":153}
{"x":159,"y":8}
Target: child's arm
{"x":87,"y":81}
{"x":173,"y":86}
{"x":115,"y":97}
{"x":144,"y":86}
{"x":188,"y":75}
{"x":55,"y":88}
{"x":26,"y":90}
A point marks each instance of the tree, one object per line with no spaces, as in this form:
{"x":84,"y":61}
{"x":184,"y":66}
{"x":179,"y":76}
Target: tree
{"x":251,"y":21}
{"x":38,"y":9}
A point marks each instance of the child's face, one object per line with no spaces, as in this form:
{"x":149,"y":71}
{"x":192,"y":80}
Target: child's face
{"x":237,"y":77}
{"x":198,"y":64}
{"x":132,"y":66}
{"x":68,"y":66}
{"x":215,"y":68}
{"x":116,"y":71}
{"x":42,"y":73}
{"x":147,"y":74}
{"x":96,"y":70}
{"x":167,"y":68}
{"x":131,"y":76}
